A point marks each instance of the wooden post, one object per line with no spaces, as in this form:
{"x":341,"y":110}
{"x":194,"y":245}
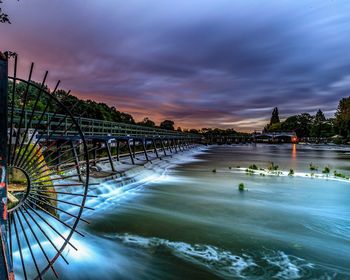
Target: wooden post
{"x":5,"y":260}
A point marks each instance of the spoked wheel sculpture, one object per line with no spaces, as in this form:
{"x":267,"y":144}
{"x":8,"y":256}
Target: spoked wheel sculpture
{"x":48,"y":176}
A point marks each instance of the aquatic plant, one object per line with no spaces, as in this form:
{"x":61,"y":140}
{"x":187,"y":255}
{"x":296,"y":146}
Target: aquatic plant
{"x":312,"y":167}
{"x":249,"y":171}
{"x":326,"y":170}
{"x":340,"y":175}
{"x":272,"y":166}
{"x":241,"y":187}
{"x":291,"y":172}
{"x":253,"y":166}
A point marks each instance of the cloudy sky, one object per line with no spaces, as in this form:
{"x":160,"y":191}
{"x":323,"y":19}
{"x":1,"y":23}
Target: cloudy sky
{"x":202,"y":63}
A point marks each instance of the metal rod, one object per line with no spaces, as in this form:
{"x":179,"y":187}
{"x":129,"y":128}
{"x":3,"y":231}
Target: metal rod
{"x":53,"y":228}
{"x":45,"y":234}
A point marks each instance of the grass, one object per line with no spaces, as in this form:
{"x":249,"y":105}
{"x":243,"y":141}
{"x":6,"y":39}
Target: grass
{"x":241,"y":187}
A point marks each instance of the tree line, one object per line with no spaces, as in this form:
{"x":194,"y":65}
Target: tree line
{"x":307,"y":125}
{"x":83,"y":108}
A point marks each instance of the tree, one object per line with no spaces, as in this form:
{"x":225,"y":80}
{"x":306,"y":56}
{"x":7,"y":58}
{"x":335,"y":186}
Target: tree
{"x":319,"y":117}
{"x":304,"y":123}
{"x":319,"y":126}
{"x":342,"y":117}
{"x":275,"y":116}
{"x":4,"y":18}
{"x":167,"y":124}
{"x":147,"y":122}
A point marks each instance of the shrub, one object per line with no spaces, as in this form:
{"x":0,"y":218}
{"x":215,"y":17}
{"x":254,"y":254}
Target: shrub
{"x":326,"y":170}
{"x":241,"y":187}
{"x":341,"y":175}
{"x":272,"y":166}
{"x":313,"y":167}
{"x":253,"y":166}
{"x":291,"y":172}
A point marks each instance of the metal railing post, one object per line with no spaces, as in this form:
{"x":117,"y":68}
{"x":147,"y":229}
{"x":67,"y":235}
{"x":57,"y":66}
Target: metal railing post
{"x":5,"y":261}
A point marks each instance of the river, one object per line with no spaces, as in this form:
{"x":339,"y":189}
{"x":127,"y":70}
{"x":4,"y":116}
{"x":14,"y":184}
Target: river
{"x":181,"y":220}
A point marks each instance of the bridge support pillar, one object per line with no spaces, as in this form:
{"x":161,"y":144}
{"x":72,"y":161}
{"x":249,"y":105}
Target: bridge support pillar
{"x":130,"y":153}
{"x":163,"y":148}
{"x":118,"y":148}
{"x":144,"y":148}
{"x":76,"y":160}
{"x":108,"y":148}
{"x":155,"y":147}
{"x":133,"y":148}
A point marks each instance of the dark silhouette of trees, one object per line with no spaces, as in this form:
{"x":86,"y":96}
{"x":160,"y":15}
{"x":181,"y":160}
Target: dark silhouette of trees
{"x":342,"y":118}
{"x":4,"y":18}
{"x":84,"y":108}
{"x":275,"y":116}
{"x":305,"y":125}
{"x":147,"y":122}
{"x":167,"y":124}
{"x":321,"y":127}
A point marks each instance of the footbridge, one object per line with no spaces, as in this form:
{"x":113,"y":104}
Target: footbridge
{"x":47,"y":157}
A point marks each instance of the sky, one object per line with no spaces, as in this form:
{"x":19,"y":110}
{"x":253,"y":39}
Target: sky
{"x":201,"y":63}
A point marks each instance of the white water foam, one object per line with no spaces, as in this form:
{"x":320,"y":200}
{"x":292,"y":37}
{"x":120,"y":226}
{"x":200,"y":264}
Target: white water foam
{"x":220,"y":262}
{"x":224,"y":263}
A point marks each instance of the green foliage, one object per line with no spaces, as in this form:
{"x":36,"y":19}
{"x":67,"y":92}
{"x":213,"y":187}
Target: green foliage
{"x":341,"y":175}
{"x":249,"y":171}
{"x":95,"y":110}
{"x":253,"y":166}
{"x":274,"y":116}
{"x":326,"y":170}
{"x":241,"y":187}
{"x":342,"y":118}
{"x":272,"y":166}
{"x":214,"y":170}
{"x":313,"y":167}
{"x":291,"y":172}
{"x":305,"y":125}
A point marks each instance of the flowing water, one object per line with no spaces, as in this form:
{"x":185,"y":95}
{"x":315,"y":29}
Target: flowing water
{"x":185,"y":221}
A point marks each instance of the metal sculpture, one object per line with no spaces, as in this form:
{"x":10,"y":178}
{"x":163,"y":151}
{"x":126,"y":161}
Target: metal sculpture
{"x":44,"y":175}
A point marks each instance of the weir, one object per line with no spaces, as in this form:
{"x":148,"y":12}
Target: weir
{"x":46,"y":157}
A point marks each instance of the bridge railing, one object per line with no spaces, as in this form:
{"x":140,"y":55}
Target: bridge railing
{"x":57,"y":123}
